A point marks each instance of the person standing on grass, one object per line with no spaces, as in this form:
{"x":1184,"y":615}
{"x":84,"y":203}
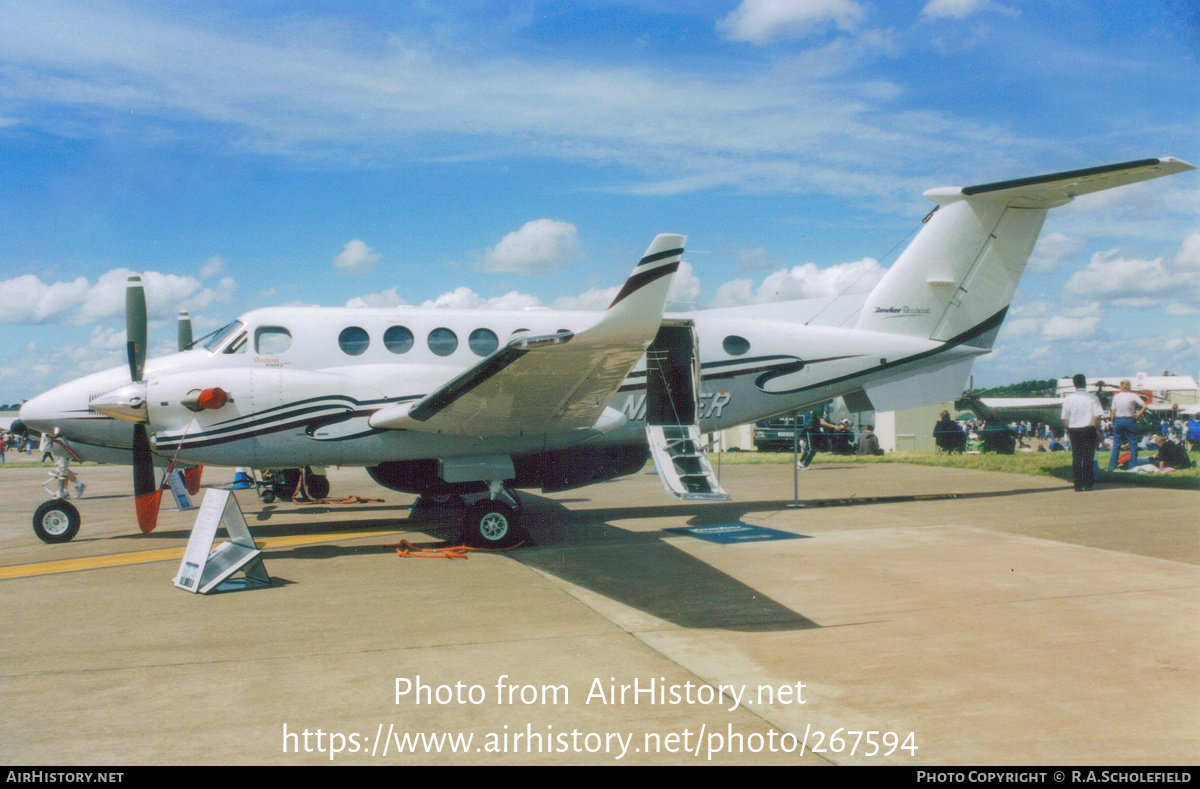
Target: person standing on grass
{"x":1081,"y":414}
{"x":1127,"y":408}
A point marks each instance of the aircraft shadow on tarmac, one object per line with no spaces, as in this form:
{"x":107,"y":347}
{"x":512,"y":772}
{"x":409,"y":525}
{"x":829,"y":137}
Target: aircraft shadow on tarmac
{"x":639,"y":569}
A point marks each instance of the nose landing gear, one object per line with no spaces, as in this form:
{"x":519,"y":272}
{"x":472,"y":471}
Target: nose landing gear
{"x":56,"y":520}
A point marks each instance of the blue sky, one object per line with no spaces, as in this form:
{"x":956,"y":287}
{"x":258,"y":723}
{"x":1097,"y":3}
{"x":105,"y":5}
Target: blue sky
{"x":495,"y":154}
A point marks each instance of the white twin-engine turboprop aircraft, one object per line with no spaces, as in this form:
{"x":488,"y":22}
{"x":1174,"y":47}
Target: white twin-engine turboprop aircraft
{"x":440,"y":402}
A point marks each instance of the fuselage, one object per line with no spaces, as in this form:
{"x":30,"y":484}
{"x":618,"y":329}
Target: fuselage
{"x":303,"y":381}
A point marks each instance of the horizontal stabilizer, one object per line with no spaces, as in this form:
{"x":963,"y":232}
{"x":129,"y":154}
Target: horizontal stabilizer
{"x":1048,"y":191}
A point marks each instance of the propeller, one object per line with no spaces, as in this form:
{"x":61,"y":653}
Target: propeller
{"x":146,"y":493}
{"x":185,"y":330}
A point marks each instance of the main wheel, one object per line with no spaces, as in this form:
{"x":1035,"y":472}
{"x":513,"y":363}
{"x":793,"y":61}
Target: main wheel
{"x":491,"y":524}
{"x":56,"y":521}
{"x":317,"y":485}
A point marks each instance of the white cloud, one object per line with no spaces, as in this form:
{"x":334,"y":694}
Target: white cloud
{"x":757,"y":259}
{"x":1089,"y":309}
{"x":212,"y":267}
{"x":594,"y":299}
{"x":1136,"y":303}
{"x":685,"y":289}
{"x":763,"y":21}
{"x":355,"y":258}
{"x":802,"y":282}
{"x":463,"y":298}
{"x":1112,"y":275}
{"x":1189,"y":253}
{"x":539,"y":247}
{"x":1061,"y":327}
{"x":388,"y":298}
{"x":321,"y":89}
{"x":107,"y":339}
{"x":1052,"y":250}
{"x":1021,"y":327}
{"x":952,"y":9}
{"x":1176,"y":309}
{"x":29,"y":300}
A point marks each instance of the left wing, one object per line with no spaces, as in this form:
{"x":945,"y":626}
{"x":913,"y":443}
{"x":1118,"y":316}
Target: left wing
{"x":551,"y":383}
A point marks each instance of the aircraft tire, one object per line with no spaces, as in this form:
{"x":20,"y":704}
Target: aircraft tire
{"x":317,"y":485}
{"x":491,"y":524}
{"x":267,"y":495}
{"x":56,"y":521}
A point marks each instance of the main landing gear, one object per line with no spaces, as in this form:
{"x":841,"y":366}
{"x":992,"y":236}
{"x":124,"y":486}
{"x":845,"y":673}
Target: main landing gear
{"x":494,"y":522}
{"x":293,"y":483}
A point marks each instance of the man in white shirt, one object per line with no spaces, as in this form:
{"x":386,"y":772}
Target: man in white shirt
{"x":1081,"y":413}
{"x":1126,"y":408}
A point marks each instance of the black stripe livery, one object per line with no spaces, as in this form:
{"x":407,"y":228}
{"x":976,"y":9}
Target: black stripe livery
{"x":657,"y":256}
{"x":644,"y":278}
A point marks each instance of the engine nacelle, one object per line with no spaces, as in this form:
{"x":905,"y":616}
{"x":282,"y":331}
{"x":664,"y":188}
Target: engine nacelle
{"x":562,"y":469}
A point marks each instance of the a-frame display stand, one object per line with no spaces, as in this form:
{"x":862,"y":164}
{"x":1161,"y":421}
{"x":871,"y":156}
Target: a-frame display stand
{"x":205,"y":569}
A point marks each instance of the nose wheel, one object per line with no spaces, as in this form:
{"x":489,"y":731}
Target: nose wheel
{"x":56,"y":521}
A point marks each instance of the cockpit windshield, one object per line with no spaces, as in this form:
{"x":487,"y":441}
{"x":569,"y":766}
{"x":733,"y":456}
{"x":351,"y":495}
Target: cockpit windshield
{"x":223,"y":334}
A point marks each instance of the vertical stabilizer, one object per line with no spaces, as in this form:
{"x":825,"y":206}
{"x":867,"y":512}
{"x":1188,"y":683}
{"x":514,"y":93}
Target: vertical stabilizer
{"x":956,"y":279}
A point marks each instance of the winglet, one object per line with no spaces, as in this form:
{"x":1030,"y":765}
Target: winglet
{"x":643,"y":297}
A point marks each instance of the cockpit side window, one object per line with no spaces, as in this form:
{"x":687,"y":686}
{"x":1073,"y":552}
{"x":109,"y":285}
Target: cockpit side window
{"x":238,"y":345}
{"x":222,"y":334}
{"x":271,"y":340}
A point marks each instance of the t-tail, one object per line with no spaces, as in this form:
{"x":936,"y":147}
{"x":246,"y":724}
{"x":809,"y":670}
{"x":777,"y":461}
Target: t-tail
{"x":956,"y":279}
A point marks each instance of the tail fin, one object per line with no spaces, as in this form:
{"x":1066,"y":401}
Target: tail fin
{"x":956,"y":279}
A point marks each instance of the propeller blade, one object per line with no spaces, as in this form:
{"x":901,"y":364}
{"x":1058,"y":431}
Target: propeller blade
{"x":185,"y":330}
{"x":135,"y":325}
{"x":146,"y":493}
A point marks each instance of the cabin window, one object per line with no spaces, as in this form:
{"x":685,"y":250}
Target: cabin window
{"x":483,"y":341}
{"x":271,"y":340}
{"x":354,"y":340}
{"x":735,"y":345}
{"x":398,"y":339}
{"x":442,"y":341}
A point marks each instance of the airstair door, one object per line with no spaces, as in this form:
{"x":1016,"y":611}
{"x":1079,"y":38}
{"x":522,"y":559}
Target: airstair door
{"x":672,"y":414}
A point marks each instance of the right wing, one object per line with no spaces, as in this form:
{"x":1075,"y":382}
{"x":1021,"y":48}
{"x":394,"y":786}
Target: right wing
{"x":553,"y":383}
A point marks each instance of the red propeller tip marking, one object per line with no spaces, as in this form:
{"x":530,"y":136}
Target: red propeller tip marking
{"x":147,"y":510}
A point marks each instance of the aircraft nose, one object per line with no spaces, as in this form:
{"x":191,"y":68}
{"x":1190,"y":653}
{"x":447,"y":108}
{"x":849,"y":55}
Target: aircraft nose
{"x":43,"y":412}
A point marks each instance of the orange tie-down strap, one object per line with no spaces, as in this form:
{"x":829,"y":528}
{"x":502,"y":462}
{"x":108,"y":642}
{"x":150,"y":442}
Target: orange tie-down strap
{"x":351,"y":499}
{"x":406,"y":550}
